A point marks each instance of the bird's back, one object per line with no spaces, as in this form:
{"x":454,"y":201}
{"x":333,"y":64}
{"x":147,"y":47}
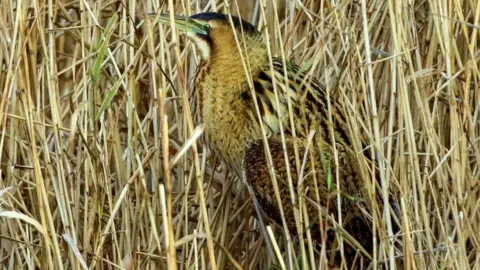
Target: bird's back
{"x":310,"y":104}
{"x":325,"y":167}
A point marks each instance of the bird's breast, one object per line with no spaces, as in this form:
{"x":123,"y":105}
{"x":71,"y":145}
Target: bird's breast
{"x":228,"y":127}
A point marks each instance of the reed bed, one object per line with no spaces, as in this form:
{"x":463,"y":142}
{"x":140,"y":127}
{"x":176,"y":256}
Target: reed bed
{"x":101,"y":167}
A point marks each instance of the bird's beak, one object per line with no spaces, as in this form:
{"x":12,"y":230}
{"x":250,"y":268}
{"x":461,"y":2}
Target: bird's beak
{"x":189,"y":26}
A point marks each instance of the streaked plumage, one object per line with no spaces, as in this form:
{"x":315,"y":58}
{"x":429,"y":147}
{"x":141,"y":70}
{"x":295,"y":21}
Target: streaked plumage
{"x":224,"y":101}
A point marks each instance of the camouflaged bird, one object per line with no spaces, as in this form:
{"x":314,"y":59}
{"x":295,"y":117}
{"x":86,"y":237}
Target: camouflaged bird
{"x":235,"y":98}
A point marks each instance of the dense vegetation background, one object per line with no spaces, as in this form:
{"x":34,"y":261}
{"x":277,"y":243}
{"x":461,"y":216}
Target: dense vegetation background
{"x":99,"y":165}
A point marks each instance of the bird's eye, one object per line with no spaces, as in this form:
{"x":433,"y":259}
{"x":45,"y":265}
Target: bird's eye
{"x":206,"y":27}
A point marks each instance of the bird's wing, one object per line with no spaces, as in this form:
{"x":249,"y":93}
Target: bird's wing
{"x":309,"y":103}
{"x":316,"y":175}
{"x":314,"y":109}
{"x":257,"y":174}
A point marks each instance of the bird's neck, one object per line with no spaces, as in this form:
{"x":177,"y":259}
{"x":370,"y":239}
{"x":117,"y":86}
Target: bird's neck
{"x":232,"y":62}
{"x":221,"y":81}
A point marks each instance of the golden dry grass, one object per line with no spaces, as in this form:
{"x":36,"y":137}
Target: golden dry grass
{"x":99,"y":165}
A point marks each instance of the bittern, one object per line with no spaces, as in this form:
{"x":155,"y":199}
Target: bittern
{"x":243,"y":96}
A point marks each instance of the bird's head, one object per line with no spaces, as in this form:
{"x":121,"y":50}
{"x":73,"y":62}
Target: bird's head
{"x":214,"y":36}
